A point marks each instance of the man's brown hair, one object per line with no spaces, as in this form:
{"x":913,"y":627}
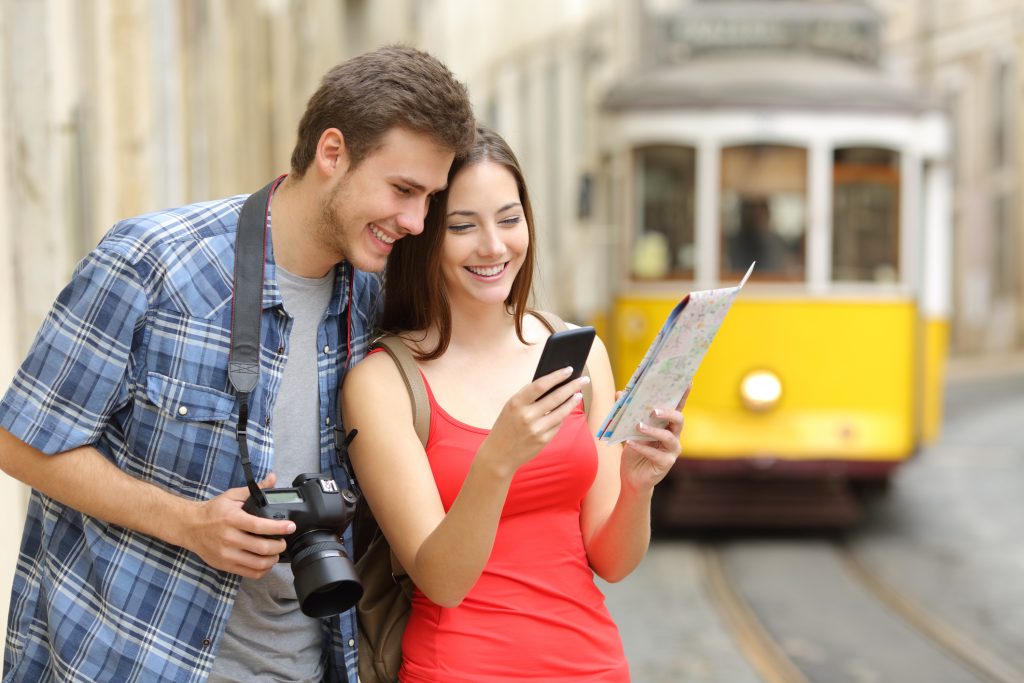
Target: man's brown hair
{"x":368,"y":95}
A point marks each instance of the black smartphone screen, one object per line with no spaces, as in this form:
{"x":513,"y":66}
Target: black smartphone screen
{"x":563,"y":349}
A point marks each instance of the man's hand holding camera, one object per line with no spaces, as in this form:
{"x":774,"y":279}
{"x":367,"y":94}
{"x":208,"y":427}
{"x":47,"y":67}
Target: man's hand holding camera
{"x":228,"y":538}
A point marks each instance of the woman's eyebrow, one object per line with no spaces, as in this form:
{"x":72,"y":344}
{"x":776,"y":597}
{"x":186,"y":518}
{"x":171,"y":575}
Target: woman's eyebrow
{"x":468,"y":212}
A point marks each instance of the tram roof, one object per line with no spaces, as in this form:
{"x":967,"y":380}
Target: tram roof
{"x":772,"y":80}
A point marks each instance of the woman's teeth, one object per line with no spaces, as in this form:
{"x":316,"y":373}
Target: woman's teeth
{"x":487,"y":271}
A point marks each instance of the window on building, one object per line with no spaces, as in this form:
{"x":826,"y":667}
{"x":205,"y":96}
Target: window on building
{"x":665,"y":188}
{"x":1002,"y":114}
{"x":764,"y":211}
{"x":1005,"y":273}
{"x":865,"y":215}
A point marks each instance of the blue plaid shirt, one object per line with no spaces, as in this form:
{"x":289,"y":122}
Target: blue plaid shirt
{"x":132,"y":360}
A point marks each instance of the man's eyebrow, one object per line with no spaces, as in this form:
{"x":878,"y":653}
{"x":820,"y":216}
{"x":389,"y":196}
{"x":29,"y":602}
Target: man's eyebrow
{"x":404,"y":180}
{"x":408,"y":181}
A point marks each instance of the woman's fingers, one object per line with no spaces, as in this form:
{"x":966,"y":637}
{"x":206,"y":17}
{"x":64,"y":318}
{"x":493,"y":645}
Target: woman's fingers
{"x":561,"y":395}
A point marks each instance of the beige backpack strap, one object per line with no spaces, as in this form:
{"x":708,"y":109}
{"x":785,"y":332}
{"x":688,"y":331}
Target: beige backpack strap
{"x":556,"y":324}
{"x":410,"y":372}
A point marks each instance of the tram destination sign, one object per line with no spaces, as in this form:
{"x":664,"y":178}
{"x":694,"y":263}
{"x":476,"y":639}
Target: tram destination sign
{"x":738,"y":26}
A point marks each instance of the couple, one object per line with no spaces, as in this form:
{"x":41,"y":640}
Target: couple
{"x":137,"y":561}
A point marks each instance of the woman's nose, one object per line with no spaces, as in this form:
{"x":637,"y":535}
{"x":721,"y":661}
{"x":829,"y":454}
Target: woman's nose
{"x":491,"y":242}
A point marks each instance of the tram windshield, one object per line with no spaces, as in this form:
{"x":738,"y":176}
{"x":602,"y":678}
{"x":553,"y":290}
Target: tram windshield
{"x":865,"y":215}
{"x":665,"y":188}
{"x":764,"y":211}
{"x":763,"y":214}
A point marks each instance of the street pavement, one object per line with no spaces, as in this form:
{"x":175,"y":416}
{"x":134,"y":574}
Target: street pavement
{"x":950,"y":533}
{"x":670,"y":631}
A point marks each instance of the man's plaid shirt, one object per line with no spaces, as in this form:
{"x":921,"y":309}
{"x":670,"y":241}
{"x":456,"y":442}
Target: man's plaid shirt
{"x":132,"y":360}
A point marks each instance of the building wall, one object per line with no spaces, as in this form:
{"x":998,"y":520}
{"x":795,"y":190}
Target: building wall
{"x":970,"y":55}
{"x":537,"y":70}
{"x":111,"y":108}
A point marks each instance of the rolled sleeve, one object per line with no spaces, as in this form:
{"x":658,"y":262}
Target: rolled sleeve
{"x":76,"y":372}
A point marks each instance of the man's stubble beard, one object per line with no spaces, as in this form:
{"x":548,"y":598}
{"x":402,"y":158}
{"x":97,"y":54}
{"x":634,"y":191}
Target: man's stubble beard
{"x":331,"y":230}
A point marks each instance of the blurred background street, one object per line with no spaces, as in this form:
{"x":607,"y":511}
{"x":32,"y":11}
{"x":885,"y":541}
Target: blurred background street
{"x":926,"y":588}
{"x":846,"y":507}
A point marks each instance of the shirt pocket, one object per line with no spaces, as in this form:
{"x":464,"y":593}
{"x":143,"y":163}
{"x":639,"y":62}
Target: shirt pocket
{"x":188,"y":402}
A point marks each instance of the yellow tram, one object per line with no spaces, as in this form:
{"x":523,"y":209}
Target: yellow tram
{"x":828,"y":369}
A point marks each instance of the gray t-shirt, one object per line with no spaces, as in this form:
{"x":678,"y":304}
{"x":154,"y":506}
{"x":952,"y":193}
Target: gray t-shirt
{"x":268,"y":639}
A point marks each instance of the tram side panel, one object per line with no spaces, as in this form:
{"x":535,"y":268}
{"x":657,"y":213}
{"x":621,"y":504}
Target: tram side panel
{"x":850,"y":374}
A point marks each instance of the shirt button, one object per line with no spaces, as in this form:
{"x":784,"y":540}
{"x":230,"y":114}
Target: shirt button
{"x":206,"y":642}
{"x":266,"y":422}
{"x":280,"y":350}
{"x":351,"y":642}
{"x":182,"y":410}
{"x":327,"y":349}
{"x":327,"y":422}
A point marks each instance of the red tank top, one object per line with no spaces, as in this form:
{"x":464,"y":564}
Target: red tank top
{"x":535,"y":614}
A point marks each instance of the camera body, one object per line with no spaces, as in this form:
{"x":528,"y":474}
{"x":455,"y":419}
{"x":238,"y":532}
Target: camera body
{"x":325,"y":579}
{"x":314,"y":502}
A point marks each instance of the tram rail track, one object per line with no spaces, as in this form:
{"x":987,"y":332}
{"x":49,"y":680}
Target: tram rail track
{"x":769,"y":658}
{"x":971,"y":653}
{"x":764,"y":653}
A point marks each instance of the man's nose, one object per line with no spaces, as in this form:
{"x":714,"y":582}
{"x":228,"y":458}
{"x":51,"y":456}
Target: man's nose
{"x":410,"y":223}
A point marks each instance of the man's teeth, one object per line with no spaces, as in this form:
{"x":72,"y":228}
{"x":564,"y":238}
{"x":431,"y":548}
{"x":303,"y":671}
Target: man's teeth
{"x":381,"y":236}
{"x":487,"y":271}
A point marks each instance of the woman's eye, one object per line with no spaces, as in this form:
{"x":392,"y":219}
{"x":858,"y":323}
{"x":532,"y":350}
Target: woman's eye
{"x":460,"y":227}
{"x":511,"y":220}
{"x":404,"y":191}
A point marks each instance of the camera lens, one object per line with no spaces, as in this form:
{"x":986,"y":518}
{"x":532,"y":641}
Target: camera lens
{"x":325,"y":579}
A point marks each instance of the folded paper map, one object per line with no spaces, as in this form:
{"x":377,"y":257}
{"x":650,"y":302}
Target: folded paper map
{"x":670,"y":363}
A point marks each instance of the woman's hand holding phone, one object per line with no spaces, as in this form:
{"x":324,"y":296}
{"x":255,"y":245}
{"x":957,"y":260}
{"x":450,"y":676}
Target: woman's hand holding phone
{"x":567,"y":348}
{"x":534,"y":414}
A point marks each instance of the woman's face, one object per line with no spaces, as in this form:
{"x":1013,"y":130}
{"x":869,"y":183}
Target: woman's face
{"x":486,"y":235}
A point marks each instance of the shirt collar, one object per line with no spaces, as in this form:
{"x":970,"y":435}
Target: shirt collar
{"x":272,"y":290}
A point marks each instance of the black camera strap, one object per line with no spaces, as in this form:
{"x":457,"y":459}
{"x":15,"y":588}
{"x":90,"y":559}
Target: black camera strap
{"x":246,"y":310}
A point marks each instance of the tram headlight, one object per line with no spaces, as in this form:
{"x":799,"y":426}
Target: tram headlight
{"x":760,"y":390}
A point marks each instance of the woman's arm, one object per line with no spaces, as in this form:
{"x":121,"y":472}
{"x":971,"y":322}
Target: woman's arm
{"x":443,"y":553}
{"x":616,"y":513}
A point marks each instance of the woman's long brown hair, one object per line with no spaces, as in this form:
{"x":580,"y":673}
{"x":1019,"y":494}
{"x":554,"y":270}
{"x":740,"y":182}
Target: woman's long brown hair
{"x":414,"y":291}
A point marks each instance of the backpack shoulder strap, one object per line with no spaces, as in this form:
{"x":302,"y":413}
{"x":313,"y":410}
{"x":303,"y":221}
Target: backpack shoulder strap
{"x":556,"y":324}
{"x":410,"y":372}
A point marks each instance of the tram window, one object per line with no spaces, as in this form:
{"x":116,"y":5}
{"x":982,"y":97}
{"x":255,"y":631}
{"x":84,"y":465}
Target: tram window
{"x":764,"y":211}
{"x":865,"y":215}
{"x":665,"y":187}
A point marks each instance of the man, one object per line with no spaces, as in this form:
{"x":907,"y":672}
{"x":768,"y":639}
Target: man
{"x":137,"y":561}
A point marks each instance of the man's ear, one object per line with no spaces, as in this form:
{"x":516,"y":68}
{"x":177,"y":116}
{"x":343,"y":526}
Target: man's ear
{"x":332,"y":153}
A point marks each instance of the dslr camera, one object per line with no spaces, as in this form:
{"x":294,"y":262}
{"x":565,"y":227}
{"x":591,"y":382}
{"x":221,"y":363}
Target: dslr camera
{"x":325,"y":578}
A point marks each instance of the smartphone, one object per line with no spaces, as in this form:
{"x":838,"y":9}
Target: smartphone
{"x":563,"y":349}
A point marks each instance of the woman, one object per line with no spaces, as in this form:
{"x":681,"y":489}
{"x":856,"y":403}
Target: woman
{"x":504,"y":518}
